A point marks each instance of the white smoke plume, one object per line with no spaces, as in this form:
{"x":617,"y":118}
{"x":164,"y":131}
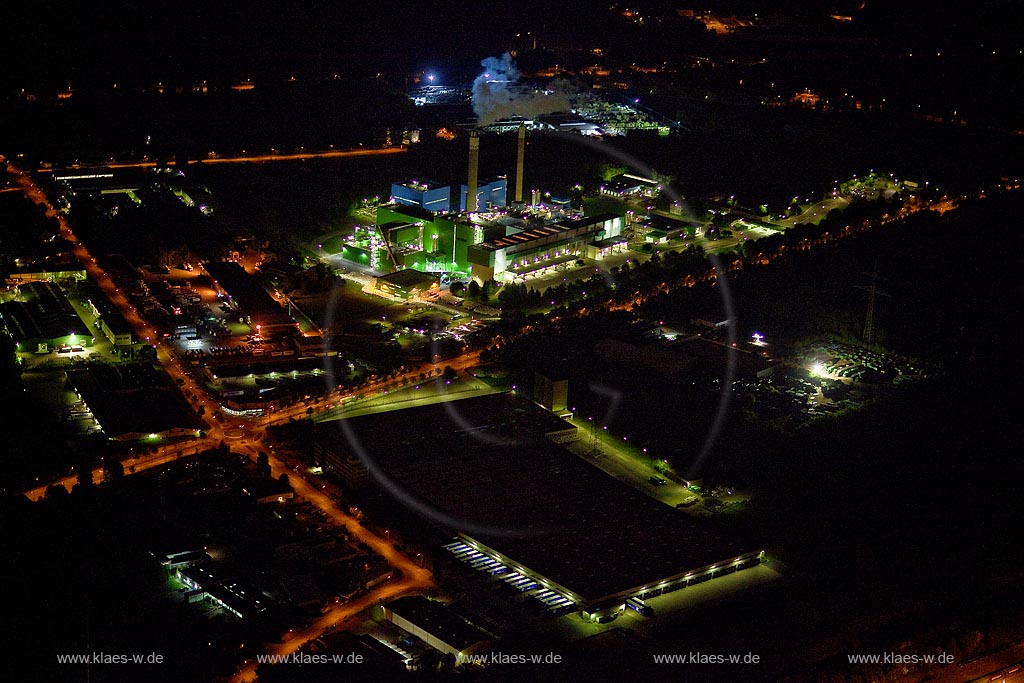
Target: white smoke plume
{"x":496,"y":95}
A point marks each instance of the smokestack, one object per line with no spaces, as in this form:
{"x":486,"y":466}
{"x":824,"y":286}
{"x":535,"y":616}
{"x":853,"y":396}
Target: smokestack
{"x":474,"y":160}
{"x":519,"y":163}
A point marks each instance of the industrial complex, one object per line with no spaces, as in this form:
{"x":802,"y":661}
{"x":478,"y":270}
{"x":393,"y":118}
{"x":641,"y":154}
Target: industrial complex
{"x":475,"y":231}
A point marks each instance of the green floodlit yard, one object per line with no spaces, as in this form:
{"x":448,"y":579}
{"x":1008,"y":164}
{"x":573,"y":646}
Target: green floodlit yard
{"x":332,"y":245}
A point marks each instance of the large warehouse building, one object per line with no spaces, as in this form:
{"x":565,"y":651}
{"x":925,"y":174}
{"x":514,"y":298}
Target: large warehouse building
{"x":489,"y":470}
{"x":42,"y":319}
{"x":261,"y":311}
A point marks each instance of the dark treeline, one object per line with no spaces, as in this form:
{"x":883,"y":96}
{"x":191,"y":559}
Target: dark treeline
{"x":937,"y":303}
{"x":95,"y":125}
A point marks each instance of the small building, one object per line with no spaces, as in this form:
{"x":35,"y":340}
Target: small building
{"x":334,"y":456}
{"x":551,"y":391}
{"x":438,"y":625}
{"x":405,"y":284}
{"x":245,"y":602}
{"x":659,"y":229}
{"x":173,"y":560}
{"x":268,"y":490}
{"x":112,"y":323}
{"x":629,"y":185}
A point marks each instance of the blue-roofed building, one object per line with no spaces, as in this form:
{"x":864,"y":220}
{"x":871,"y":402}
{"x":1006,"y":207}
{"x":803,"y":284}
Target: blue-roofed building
{"x":490,"y":194}
{"x":425,"y":194}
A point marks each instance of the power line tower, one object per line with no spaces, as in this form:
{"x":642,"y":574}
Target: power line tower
{"x":873,"y":293}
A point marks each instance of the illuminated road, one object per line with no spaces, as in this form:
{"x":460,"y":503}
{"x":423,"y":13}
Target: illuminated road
{"x":165,"y":455}
{"x":329,"y":154}
{"x":1003,"y":666}
{"x":413,"y":577}
{"x":613,"y":456}
{"x":815,"y":212}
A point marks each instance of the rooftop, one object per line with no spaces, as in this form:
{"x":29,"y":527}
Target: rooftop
{"x":133,"y":399}
{"x":45,"y":313}
{"x":439,"y":621}
{"x":247,"y":292}
{"x":549,"y":232}
{"x":421,"y":185}
{"x":483,"y":467}
{"x":409,"y":278}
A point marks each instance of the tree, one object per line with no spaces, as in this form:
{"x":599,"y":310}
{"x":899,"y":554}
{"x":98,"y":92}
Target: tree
{"x":263,"y":464}
{"x":283,"y":480}
{"x":429,"y":661}
{"x":113,"y":470}
{"x":488,"y":290}
{"x":607,"y":170}
{"x":55,"y":491}
{"x":85,"y":476}
{"x":457,"y":288}
{"x":449,"y":373}
{"x":473,"y":291}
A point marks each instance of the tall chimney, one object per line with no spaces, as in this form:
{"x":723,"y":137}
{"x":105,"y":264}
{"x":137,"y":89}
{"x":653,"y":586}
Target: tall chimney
{"x":474,"y":159}
{"x":519,"y":163}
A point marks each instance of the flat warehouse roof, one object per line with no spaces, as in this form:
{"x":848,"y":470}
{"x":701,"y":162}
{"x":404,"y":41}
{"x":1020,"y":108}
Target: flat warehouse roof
{"x":485,"y":465}
{"x":133,"y":398}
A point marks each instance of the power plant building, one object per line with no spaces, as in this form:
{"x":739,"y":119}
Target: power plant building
{"x":491,"y":194}
{"x":483,"y":239}
{"x":519,"y":251}
{"x":424,"y":194}
{"x":414,"y":238}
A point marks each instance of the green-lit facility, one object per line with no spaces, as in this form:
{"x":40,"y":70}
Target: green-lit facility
{"x":411,"y":237}
{"x":525,"y":248}
{"x":42,"y":319}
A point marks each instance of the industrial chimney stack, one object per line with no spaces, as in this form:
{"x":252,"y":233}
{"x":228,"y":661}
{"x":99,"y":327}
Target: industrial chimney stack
{"x":519,"y":163}
{"x":474,"y":161}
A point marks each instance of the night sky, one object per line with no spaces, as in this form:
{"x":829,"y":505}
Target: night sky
{"x":53,"y":43}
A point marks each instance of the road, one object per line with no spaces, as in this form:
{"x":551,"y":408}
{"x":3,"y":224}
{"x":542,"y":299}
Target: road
{"x":413,"y":578}
{"x":141,"y":463}
{"x":604,"y":451}
{"x":815,"y":212}
{"x":245,"y":436}
{"x":1005,"y":665}
{"x":256,"y":158}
